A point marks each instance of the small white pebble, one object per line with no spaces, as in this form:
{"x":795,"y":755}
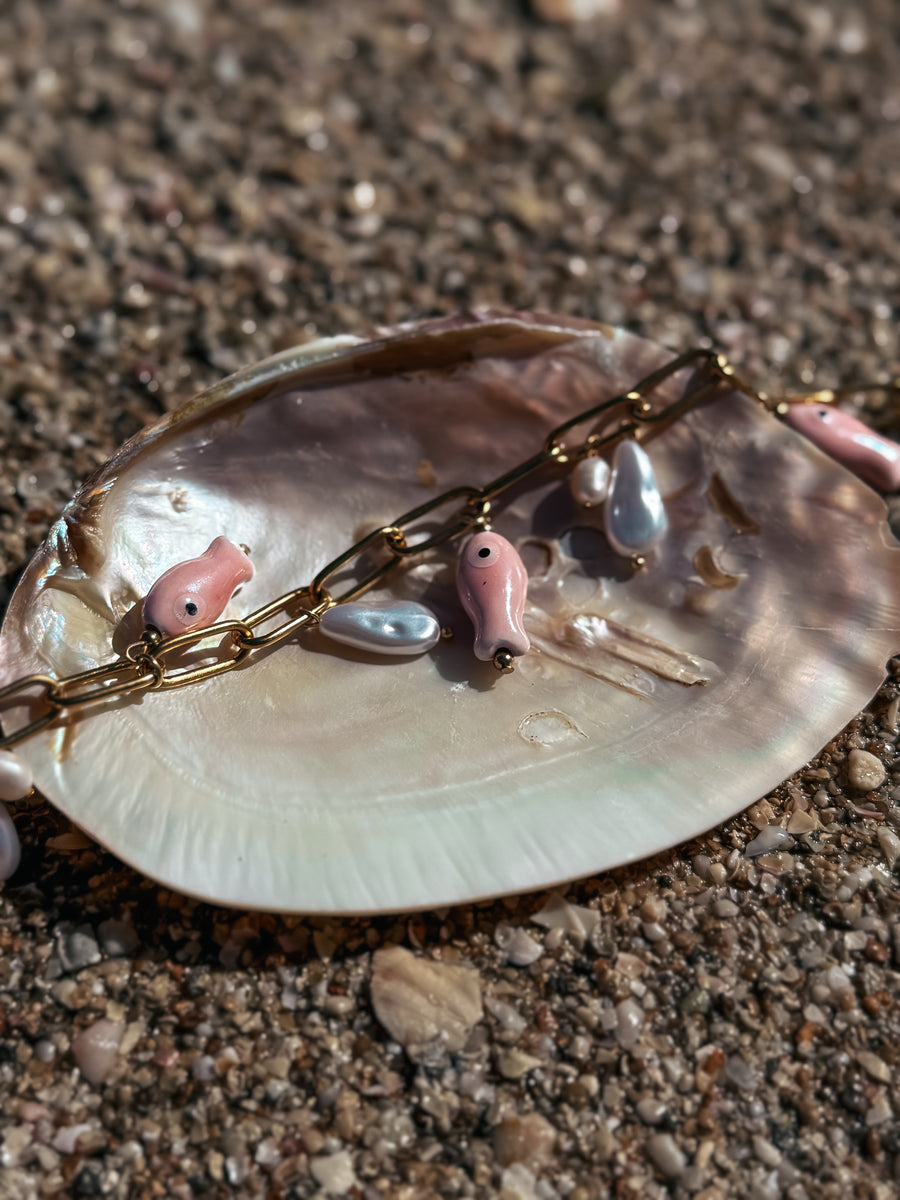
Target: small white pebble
{"x":16,"y":780}
{"x":334,"y":1172}
{"x":67,"y":1138}
{"x":865,"y":772}
{"x":874,"y":1066}
{"x":521,"y":948}
{"x":650,"y":1110}
{"x":880,"y":1111}
{"x":96,"y":1049}
{"x":890,"y":846}
{"x":717,"y":873}
{"x":665,"y":1155}
{"x":629,"y":1019}
{"x":766,"y":1152}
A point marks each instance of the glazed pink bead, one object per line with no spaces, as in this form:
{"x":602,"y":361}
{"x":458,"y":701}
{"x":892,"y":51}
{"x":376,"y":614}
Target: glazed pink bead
{"x":873,"y":458}
{"x":194,"y":593}
{"x":492,"y":583}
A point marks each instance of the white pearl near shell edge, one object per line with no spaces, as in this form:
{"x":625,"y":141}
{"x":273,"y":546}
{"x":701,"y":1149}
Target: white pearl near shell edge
{"x":16,"y":780}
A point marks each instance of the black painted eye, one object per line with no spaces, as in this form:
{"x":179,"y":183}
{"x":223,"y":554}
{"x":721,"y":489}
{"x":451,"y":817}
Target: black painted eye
{"x":482,"y":551}
{"x":822,"y":413}
{"x":189,"y":610}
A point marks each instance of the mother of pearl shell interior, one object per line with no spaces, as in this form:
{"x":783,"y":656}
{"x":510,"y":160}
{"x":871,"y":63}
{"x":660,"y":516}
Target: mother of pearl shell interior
{"x":323,"y":778}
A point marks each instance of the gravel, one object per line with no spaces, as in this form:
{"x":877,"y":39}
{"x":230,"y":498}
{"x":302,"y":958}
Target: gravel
{"x":187,"y":187}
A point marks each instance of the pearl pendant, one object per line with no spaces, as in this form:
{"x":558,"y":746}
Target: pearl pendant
{"x":391,"y":627}
{"x":589,"y":481}
{"x":10,"y":850}
{"x":634,"y":517}
{"x":15,"y":776}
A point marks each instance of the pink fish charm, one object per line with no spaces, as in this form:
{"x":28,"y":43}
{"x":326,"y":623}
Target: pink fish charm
{"x":492,"y":583}
{"x":873,"y":458}
{"x":194,"y":593}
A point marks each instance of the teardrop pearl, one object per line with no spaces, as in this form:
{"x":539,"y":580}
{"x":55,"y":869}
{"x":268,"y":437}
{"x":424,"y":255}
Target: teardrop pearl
{"x":16,"y":780}
{"x":589,"y":481}
{"x":634,"y":517}
{"x":391,"y":627}
{"x":10,"y":850}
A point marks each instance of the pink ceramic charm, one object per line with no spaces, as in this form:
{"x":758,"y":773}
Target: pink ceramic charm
{"x":492,"y":583}
{"x":873,"y":458}
{"x":194,"y":593}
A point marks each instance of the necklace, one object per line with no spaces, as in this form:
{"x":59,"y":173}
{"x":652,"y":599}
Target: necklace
{"x":571,"y":567}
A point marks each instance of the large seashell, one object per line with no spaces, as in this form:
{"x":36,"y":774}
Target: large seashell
{"x":651,"y":706}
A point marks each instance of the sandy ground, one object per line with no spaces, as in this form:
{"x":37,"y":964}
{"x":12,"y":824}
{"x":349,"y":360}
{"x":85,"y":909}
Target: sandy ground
{"x":186,"y":187}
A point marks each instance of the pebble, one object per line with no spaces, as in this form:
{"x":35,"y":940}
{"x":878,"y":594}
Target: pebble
{"x":518,"y":1183}
{"x":569,"y":11}
{"x":874,"y":1066}
{"x":16,"y":779}
{"x":66,"y":1139}
{"x":526,"y":1139}
{"x":77,"y":949}
{"x":118,"y":938}
{"x":629,"y":1019}
{"x":521,"y":948}
{"x":766,"y":1153}
{"x":865,"y":772}
{"x":334,"y":1172}
{"x":666,"y":1156}
{"x":879,"y":1112}
{"x":650,"y":1110}
{"x":96,"y":1049}
{"x":773,"y":837}
{"x":890,"y":846}
{"x":420,"y":1001}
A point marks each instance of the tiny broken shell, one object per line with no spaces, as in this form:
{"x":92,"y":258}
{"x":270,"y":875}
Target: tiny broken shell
{"x":651,"y":707}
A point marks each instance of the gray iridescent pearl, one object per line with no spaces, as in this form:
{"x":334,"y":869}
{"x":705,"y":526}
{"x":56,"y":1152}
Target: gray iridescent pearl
{"x":391,"y":627}
{"x":10,"y":852}
{"x":634,"y":517}
{"x":589,"y":481}
{"x":15,"y":776}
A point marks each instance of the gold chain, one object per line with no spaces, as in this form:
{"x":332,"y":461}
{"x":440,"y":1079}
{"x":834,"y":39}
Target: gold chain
{"x":144,"y":666}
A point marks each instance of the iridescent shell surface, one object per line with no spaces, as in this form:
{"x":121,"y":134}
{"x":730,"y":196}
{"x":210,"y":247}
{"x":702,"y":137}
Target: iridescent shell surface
{"x":651,"y":707}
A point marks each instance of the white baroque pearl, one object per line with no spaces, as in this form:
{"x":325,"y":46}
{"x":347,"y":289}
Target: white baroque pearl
{"x":16,"y":780}
{"x":10,"y":851}
{"x":589,"y":481}
{"x":383,"y":627}
{"x":634,"y":517}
